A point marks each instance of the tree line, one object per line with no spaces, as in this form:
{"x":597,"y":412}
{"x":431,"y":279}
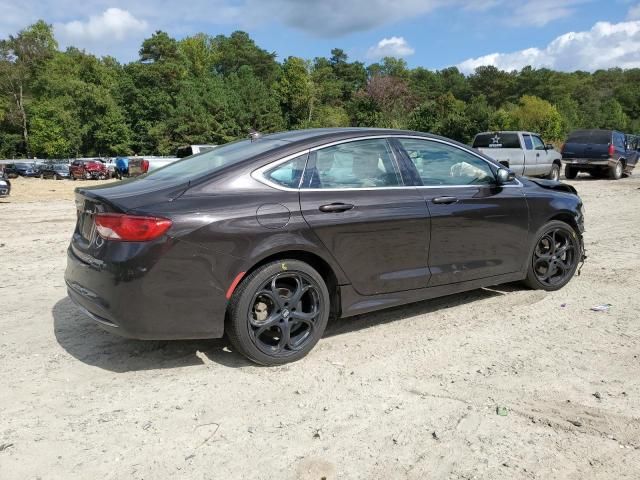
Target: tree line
{"x":215,"y":89}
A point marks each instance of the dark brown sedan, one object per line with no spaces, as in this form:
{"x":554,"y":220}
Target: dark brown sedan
{"x":265,"y":239}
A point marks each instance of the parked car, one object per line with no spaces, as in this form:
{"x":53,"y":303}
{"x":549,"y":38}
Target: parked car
{"x":57,"y":171}
{"x":523,"y":152}
{"x":5,"y":187}
{"x":21,"y":169}
{"x":139,"y":165}
{"x":602,"y":153}
{"x":277,"y":234}
{"x":88,"y":169}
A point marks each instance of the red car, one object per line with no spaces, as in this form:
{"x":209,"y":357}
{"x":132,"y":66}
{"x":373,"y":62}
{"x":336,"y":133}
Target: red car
{"x":88,"y":169}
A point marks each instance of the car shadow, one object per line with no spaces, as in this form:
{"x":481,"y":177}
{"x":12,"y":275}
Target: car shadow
{"x":82,"y":338}
{"x":381,"y":317}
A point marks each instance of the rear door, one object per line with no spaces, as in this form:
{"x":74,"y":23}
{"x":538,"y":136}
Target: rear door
{"x":478,"y":228}
{"x":377,"y":227}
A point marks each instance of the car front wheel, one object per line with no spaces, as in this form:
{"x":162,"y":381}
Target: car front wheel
{"x":554,"y":258}
{"x":554,"y":174}
{"x":279,"y":312}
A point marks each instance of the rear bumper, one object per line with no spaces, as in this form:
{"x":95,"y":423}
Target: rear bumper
{"x":165,"y":301}
{"x":586,"y":163}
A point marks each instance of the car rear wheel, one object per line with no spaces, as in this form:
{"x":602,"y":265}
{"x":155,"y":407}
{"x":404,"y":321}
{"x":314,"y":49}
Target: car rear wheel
{"x":554,"y":258}
{"x":570,"y":173}
{"x":87,"y":176}
{"x":278,"y":313}
{"x":554,"y":174}
{"x":616,"y":170}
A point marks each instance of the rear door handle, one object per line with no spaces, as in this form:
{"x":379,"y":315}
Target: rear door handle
{"x":336,"y":207}
{"x":445,"y":200}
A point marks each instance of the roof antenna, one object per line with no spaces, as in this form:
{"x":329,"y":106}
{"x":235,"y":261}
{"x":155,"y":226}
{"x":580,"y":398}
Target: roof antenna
{"x":254,"y":135}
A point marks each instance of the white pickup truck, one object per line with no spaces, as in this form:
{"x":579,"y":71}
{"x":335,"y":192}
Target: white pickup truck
{"x":523,"y":152}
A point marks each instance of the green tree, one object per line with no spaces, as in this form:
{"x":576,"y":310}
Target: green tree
{"x":296,"y":92}
{"x":21,"y":57}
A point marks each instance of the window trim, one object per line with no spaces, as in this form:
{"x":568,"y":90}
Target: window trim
{"x":273,"y":165}
{"x":259,"y":173}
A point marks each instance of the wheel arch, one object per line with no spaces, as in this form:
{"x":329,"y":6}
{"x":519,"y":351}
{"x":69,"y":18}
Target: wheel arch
{"x":322,"y":266}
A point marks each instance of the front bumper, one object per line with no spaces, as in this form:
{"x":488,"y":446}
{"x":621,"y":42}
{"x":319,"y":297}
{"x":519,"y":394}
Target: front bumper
{"x":164,"y":301}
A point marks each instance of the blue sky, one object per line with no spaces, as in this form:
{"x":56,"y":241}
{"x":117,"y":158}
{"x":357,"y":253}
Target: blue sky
{"x":561,"y":34}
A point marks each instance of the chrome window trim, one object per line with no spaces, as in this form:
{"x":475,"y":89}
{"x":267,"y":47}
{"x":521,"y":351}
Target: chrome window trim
{"x":260,"y":173}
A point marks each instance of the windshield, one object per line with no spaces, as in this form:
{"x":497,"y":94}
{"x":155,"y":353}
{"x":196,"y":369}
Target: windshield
{"x":205,"y":163}
{"x":496,"y":140}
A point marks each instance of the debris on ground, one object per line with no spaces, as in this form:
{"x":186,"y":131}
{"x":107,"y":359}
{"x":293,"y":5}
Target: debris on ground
{"x":576,"y":423}
{"x":502,"y":411}
{"x":601,"y":308}
{"x":598,"y":395}
{"x":5,"y":446}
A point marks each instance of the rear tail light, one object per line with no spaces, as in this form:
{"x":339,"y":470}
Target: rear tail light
{"x":130,"y":228}
{"x":612,"y":150}
{"x":144,"y":165}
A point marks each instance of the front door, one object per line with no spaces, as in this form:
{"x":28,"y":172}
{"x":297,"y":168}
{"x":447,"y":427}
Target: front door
{"x":354,"y":199}
{"x":543,"y":162}
{"x":478,"y":228}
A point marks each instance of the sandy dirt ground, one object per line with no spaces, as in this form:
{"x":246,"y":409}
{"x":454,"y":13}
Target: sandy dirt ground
{"x":410,"y":392}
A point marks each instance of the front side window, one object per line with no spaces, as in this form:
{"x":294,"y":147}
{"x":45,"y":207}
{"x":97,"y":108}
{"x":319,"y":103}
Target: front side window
{"x":528,"y":144}
{"x":288,"y":174}
{"x":357,"y":164}
{"x":441,"y":164}
{"x":537,"y":143}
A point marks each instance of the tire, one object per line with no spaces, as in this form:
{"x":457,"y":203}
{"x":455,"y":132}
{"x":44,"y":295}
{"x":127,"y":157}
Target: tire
{"x":616,"y":170}
{"x":87,"y":176}
{"x":554,"y":174}
{"x":250,"y":312}
{"x":544,"y":260}
{"x":570,"y":173}
{"x":57,"y":177}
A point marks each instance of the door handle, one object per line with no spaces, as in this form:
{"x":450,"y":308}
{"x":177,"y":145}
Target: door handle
{"x":445,"y":200}
{"x":336,"y":207}
{"x":537,"y":154}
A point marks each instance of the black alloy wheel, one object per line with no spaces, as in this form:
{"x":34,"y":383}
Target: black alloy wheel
{"x":279,"y":312}
{"x":555,"y":257}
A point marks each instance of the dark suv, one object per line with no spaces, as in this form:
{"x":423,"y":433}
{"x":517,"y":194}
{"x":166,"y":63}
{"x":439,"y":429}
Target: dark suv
{"x":602,"y":153}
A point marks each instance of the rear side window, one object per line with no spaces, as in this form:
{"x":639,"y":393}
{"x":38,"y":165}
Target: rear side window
{"x":288,"y":174}
{"x":496,"y":140}
{"x":528,"y":144}
{"x":358,"y":164}
{"x":441,"y":164}
{"x":599,"y":137}
{"x":619,"y":140}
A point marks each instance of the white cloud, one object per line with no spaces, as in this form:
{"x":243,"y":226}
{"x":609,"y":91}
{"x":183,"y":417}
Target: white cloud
{"x":97,"y":25}
{"x":390,"y":47}
{"x":634,"y":12}
{"x":114,"y":24}
{"x":606,"y":45}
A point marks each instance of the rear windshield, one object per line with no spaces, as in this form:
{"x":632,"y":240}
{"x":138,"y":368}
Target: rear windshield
{"x":590,"y":136}
{"x":205,"y":163}
{"x":497,"y":140}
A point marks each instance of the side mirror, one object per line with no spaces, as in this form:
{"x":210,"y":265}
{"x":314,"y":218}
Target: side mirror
{"x":505,"y":176}
{"x":548,"y":146}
